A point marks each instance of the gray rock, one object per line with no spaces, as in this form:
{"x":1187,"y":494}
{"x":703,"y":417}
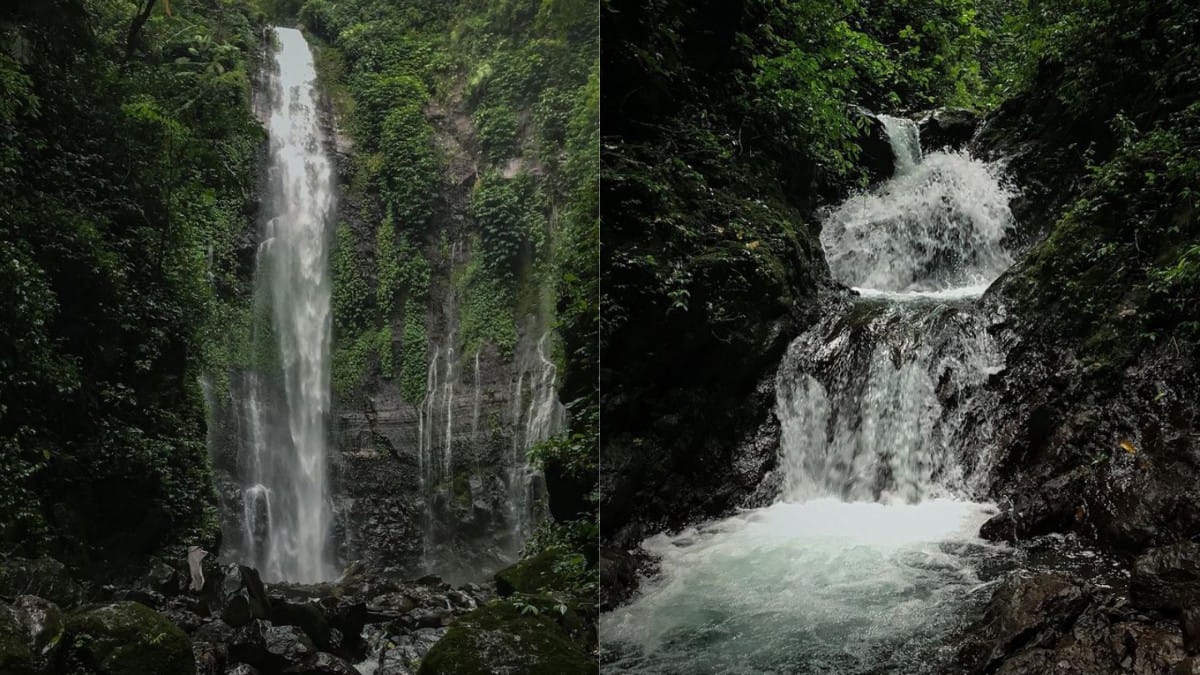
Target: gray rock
{"x":43,"y":622}
{"x":288,"y":645}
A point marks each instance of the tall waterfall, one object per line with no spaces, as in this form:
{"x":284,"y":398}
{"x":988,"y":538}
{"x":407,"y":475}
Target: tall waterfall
{"x":282,"y":457}
{"x":870,"y":554}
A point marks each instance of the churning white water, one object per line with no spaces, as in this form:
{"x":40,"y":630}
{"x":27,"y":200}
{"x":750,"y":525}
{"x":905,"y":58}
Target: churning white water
{"x":936,"y":225}
{"x":287,"y":514}
{"x":870,"y":557}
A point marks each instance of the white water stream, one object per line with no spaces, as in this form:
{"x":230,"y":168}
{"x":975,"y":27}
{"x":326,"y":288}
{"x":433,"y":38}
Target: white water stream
{"x":870,"y":556}
{"x":282,"y":452}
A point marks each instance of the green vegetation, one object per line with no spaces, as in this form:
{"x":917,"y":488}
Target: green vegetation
{"x":126,"y":184}
{"x":1122,"y":258}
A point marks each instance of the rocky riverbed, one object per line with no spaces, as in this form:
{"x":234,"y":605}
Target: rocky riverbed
{"x":231,"y":623}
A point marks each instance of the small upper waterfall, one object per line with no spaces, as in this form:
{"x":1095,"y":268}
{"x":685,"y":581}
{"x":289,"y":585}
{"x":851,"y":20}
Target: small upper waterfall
{"x":937,"y":226}
{"x":282,"y":444}
{"x":869,"y":555}
{"x":905,"y":140}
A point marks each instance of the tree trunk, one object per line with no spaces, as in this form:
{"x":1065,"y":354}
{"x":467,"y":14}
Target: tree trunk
{"x":135,"y":29}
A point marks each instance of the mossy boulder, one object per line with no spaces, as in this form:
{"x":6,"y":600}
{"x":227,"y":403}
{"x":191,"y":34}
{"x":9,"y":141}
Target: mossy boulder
{"x":548,"y":570}
{"x":125,"y":638}
{"x":16,"y":657}
{"x":498,"y":638}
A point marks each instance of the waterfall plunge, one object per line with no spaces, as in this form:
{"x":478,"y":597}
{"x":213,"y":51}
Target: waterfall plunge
{"x":870,"y":555}
{"x":286,"y":501}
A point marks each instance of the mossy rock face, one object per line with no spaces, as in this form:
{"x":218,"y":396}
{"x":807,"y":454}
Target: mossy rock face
{"x":498,"y":638}
{"x":126,"y":638}
{"x":15,"y":654}
{"x":537,"y":574}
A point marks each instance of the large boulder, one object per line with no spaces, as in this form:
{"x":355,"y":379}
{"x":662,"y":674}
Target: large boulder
{"x":498,"y":637}
{"x":1023,"y":610}
{"x":309,"y":616}
{"x":947,"y":128}
{"x":1048,"y":623}
{"x":125,"y":638}
{"x":43,"y":577}
{"x":243,"y":596}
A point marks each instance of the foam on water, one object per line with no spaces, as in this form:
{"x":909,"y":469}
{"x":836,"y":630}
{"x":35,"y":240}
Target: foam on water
{"x":939,"y":226}
{"x":822,"y":586}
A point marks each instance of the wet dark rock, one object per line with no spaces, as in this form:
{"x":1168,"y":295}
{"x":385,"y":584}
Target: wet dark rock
{"x":1000,"y":527}
{"x":618,"y":576}
{"x":431,"y":618}
{"x":1167,"y":578}
{"x":389,"y":606}
{"x":241,"y":669}
{"x":208,"y":658}
{"x":947,"y":128}
{"x":164,"y":578}
{"x":1048,"y":623}
{"x":403,"y":653}
{"x":1024,"y":611}
{"x":243,"y":596}
{"x":248,"y":644}
{"x":287,"y":646}
{"x":499,"y":638}
{"x":461,"y":600}
{"x":346,"y":619}
{"x":124,"y":638}
{"x":1191,"y":629}
{"x":875,"y":150}
{"x":149,"y":598}
{"x":16,"y":656}
{"x":308,"y":616}
{"x":43,"y":577}
{"x":323,"y":663}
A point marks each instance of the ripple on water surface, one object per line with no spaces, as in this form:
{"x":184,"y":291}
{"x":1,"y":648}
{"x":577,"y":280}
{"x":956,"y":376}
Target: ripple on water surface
{"x":822,"y":586}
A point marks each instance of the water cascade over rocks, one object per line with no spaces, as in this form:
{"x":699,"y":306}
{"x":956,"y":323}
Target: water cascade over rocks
{"x":870,"y":555}
{"x":282,"y":416}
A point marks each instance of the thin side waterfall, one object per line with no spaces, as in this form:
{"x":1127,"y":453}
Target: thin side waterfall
{"x":870,"y":554}
{"x":544,"y":416}
{"x":282,"y":444}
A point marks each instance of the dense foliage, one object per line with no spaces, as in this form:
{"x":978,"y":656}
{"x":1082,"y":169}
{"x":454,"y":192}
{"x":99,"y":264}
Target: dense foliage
{"x":1123,"y":256}
{"x":126,"y":184}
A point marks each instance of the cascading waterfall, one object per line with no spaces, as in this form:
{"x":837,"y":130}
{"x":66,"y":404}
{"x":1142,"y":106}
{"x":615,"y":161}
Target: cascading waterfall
{"x":871,"y":551}
{"x":282,"y":444}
